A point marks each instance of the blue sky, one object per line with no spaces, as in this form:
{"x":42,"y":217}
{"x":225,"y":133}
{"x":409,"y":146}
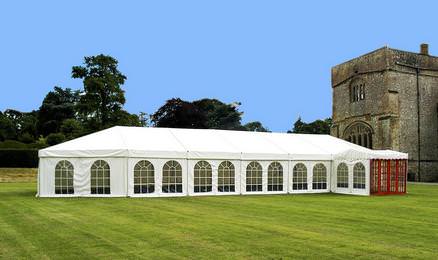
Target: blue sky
{"x":273,"y":56}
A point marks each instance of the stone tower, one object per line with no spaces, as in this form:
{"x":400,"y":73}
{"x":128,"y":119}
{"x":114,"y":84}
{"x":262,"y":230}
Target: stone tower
{"x":388,"y":99}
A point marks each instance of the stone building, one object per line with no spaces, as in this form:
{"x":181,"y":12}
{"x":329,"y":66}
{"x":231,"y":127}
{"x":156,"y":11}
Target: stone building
{"x":388,"y":99}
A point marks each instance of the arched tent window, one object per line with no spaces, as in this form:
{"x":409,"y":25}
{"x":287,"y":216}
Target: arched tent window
{"x":359,"y":133}
{"x":202,"y":177}
{"x":254,"y":177}
{"x":172,"y":177}
{"x":275,"y":177}
{"x":144,"y":180}
{"x":319,"y":181}
{"x":226,"y":177}
{"x":64,"y":177}
{"x":342,"y":176}
{"x":100,"y":178}
{"x":299,"y":177}
{"x":359,"y":176}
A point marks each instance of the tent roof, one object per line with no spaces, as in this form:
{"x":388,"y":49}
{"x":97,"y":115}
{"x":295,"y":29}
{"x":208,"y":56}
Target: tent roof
{"x":157,"y":142}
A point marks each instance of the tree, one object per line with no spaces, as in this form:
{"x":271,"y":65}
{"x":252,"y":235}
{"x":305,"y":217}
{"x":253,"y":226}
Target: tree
{"x":123,"y":118}
{"x":103,"y":95}
{"x":55,"y":138}
{"x":58,"y":105}
{"x":71,"y":128}
{"x":218,"y":114}
{"x":7,"y":129}
{"x":22,"y":122}
{"x":178,"y":113}
{"x":255,"y":126}
{"x":315,"y":127}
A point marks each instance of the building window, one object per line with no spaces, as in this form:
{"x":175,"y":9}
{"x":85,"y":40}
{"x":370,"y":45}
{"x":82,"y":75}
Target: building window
{"x":226,"y":177}
{"x":299,"y":178}
{"x":144,"y":181}
{"x":359,"y":133}
{"x":275,"y":177}
{"x":342,"y":176}
{"x":172,"y":177}
{"x":254,"y":177}
{"x":100,"y":178}
{"x":202,"y":177}
{"x":357,"y":91}
{"x":359,"y":176}
{"x":319,"y":181}
{"x":64,"y":178}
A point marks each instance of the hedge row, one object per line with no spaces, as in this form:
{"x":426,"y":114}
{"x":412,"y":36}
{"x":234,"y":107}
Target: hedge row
{"x":19,"y":158}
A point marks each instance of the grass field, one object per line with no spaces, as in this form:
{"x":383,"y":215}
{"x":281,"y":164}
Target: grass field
{"x":276,"y":226}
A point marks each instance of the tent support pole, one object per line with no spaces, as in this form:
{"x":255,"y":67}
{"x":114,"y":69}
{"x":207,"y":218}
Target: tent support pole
{"x":379,"y":181}
{"x":396,"y":175}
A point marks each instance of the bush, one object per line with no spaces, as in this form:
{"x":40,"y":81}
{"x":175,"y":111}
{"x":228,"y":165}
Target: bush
{"x":12,"y":144}
{"x":26,"y":138}
{"x":19,"y":158}
{"x":55,"y":138}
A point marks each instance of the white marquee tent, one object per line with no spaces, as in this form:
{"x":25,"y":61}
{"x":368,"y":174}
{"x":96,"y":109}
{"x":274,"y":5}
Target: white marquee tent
{"x":151,"y":162}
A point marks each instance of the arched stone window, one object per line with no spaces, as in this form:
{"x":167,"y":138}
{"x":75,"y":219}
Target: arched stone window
{"x":100,"y":178}
{"x":144,"y":181}
{"x":357,"y":90}
{"x":254,"y":177}
{"x":299,"y":178}
{"x":342,"y":175}
{"x":226,"y":177}
{"x":359,"y":133}
{"x":319,"y":181}
{"x":359,"y":176}
{"x":64,"y":178}
{"x":202,"y":177}
{"x":172,"y":177}
{"x":275,"y":177}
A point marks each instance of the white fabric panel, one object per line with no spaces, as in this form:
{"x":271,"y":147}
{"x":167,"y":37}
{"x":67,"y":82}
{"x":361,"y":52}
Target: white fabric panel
{"x":350,"y":189}
{"x":214,"y":165}
{"x":212,"y":144}
{"x":81,"y":177}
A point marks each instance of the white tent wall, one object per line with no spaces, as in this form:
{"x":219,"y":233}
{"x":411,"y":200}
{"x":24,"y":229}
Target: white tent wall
{"x":214,"y":168}
{"x":81,"y":177}
{"x":350,"y":189}
{"x":309,"y":170}
{"x":265,"y":165}
{"x":123,"y":147}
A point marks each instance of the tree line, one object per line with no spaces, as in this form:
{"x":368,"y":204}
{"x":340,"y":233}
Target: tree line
{"x":66,"y":114}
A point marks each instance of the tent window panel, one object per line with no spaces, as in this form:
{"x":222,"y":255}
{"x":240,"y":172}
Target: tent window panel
{"x":100,"y":178}
{"x":275,"y":177}
{"x":254,"y":177}
{"x":172,"y":177}
{"x":342,"y":176}
{"x":144,"y":177}
{"x":359,"y":176}
{"x":64,"y":177}
{"x":319,"y":181}
{"x":202,"y":177}
{"x":299,"y":177}
{"x":226,"y":177}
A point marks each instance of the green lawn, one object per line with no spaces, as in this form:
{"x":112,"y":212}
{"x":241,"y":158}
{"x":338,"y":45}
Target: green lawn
{"x":276,"y":226}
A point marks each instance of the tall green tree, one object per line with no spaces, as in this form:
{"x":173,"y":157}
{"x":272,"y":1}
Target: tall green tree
{"x":23,"y":123}
{"x":58,"y":106}
{"x":7,"y":128}
{"x":315,"y":127}
{"x":177,"y":113}
{"x":255,"y":126}
{"x":103,"y":96}
{"x":218,"y":114}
